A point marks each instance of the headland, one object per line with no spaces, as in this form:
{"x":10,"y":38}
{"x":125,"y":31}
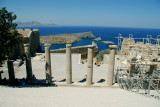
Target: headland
{"x":65,"y":38}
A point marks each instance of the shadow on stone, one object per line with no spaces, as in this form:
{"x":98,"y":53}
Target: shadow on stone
{"x":62,"y":80}
{"x":20,"y":83}
{"x":101,"y":80}
{"x":83,"y":80}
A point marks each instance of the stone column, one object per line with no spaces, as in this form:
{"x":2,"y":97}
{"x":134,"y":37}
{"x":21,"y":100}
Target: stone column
{"x":11,"y":71}
{"x":28,"y":63}
{"x":48,"y":64}
{"x":1,"y":75}
{"x":110,"y":73}
{"x":68,"y":64}
{"x":89,"y":66}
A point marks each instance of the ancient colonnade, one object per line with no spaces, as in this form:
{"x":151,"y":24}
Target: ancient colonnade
{"x":110,"y":74}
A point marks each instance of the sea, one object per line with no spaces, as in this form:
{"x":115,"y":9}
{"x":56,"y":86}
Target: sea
{"x":106,"y":34}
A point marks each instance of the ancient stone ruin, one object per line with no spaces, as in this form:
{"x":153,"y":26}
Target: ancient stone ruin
{"x":140,"y":65}
{"x":27,"y":36}
{"x":32,"y":37}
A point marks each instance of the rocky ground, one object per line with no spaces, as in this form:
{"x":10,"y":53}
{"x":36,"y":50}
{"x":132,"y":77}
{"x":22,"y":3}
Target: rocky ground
{"x":69,"y":96}
{"x":58,"y":63}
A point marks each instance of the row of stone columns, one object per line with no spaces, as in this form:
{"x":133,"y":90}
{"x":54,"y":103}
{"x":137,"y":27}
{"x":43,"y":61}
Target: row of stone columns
{"x":69,"y":65}
{"x":110,"y":75}
{"x":28,"y":66}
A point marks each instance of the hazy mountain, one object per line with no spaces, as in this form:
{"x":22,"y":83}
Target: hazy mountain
{"x":33,"y":23}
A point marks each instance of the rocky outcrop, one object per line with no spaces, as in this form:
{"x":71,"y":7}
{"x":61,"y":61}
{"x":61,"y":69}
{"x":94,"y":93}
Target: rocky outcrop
{"x":108,"y":42}
{"x":98,"y":39}
{"x":59,"y":39}
{"x":84,"y":35}
{"x":65,"y":38}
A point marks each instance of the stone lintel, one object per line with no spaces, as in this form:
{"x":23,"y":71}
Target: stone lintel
{"x":90,"y":46}
{"x":26,"y":45}
{"x":112,"y":46}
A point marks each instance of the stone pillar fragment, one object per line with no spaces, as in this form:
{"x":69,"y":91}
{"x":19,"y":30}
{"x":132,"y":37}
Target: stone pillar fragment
{"x":28,"y":63}
{"x":110,"y":73}
{"x":68,"y":64}
{"x":1,"y":74}
{"x":11,"y":71}
{"x":0,"y":77}
{"x":48,"y":64}
{"x":89,"y":66}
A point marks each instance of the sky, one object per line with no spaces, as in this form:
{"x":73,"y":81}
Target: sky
{"x":112,"y":13}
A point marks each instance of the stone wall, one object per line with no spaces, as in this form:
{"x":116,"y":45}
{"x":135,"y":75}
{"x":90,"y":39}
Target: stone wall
{"x":31,"y":37}
{"x":83,"y":50}
{"x":26,"y":36}
{"x":34,"y":41}
{"x":17,"y":50}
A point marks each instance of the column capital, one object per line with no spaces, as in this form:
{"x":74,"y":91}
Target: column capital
{"x":68,"y":45}
{"x":47,"y":45}
{"x":90,"y":46}
{"x":26,"y":45}
{"x":112,"y":46}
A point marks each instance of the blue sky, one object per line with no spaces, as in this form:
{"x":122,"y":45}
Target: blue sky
{"x":115,"y":13}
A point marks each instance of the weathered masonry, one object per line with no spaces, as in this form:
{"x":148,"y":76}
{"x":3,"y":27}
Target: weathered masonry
{"x":83,"y":50}
{"x":31,"y":37}
{"x":27,"y":36}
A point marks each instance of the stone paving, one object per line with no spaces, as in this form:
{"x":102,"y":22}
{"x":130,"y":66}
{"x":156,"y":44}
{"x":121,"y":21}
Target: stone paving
{"x":58,"y":66}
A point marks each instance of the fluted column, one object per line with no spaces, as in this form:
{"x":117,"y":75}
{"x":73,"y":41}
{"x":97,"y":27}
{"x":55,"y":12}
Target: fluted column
{"x":110,"y":73}
{"x":11,"y":71}
{"x":28,"y":63}
{"x":89,"y":66}
{"x":68,"y":64}
{"x":48,"y":64}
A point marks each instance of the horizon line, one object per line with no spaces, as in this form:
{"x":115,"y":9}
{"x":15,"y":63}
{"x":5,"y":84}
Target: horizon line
{"x":57,"y":25}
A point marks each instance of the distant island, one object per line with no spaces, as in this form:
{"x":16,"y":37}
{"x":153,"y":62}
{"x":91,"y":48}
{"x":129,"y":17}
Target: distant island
{"x":65,"y":38}
{"x":33,"y":24}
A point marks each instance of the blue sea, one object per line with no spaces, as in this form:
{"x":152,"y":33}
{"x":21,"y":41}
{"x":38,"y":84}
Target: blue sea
{"x":106,"y":33}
